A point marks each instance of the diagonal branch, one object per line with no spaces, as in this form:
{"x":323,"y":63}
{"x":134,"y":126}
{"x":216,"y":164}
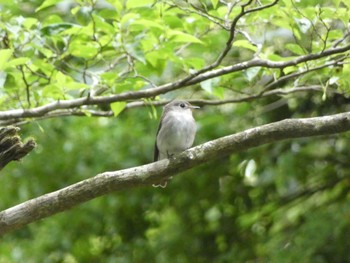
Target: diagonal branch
{"x":145,"y":175}
{"x":256,"y":62}
{"x":230,"y":40}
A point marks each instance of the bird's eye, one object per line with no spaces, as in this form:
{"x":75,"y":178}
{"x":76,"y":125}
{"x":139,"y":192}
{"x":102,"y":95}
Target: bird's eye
{"x":182,"y":105}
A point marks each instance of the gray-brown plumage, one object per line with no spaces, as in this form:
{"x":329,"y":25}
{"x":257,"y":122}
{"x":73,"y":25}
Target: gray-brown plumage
{"x":176,"y":131}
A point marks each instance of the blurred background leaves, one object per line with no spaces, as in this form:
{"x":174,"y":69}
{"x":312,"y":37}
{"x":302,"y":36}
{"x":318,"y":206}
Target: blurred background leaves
{"x":284,"y":202}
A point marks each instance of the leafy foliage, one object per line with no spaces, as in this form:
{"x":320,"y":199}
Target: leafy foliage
{"x":286,"y":202}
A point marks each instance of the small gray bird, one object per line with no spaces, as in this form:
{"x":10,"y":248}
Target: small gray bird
{"x":176,"y":131}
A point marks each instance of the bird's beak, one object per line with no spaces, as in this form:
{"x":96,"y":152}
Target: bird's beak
{"x":194,"y":107}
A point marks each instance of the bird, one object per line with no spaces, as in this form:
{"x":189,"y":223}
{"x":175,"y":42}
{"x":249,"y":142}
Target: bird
{"x":176,"y":131}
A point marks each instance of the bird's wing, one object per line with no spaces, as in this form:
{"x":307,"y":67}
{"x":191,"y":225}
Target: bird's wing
{"x":156,"y":150}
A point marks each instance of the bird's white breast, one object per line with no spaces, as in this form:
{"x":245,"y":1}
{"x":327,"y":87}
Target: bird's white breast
{"x":177,"y":133}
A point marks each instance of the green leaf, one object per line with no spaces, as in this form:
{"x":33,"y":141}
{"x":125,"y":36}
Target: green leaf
{"x":108,"y":78}
{"x":209,"y":84}
{"x":83,"y":49}
{"x":87,"y":113}
{"x":214,"y":3}
{"x":55,"y":29}
{"x":118,"y":107}
{"x":117,"y":4}
{"x":195,"y":62}
{"x":219,"y":92}
{"x":29,"y":22}
{"x":154,"y":59}
{"x":45,"y":51}
{"x":83,"y":15}
{"x":138,"y":3}
{"x":296,"y":49}
{"x":17,"y":61}
{"x":52,"y":19}
{"x":53,"y":91}
{"x":47,"y":3}
{"x":41,"y":65}
{"x":108,"y":14}
{"x":178,"y":36}
{"x":5,"y":55}
{"x":61,"y":79}
{"x":128,"y":18}
{"x":144,"y":23}
{"x":251,"y":73}
{"x":245,"y":44}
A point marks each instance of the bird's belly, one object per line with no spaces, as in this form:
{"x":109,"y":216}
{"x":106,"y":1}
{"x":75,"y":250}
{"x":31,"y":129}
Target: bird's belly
{"x":178,"y":137}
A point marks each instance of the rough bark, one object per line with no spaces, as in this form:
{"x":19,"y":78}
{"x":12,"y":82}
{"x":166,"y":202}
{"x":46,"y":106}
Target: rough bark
{"x":11,"y":146}
{"x":145,"y":175}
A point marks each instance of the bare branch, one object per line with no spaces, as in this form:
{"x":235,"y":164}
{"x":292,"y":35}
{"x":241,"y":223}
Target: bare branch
{"x":256,"y":62}
{"x":145,"y":175}
{"x":280,"y":80}
{"x":152,"y":92}
{"x":137,"y":104}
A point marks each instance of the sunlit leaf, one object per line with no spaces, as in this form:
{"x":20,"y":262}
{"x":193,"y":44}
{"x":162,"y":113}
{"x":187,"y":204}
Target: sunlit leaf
{"x":210,"y":84}
{"x":219,"y":92}
{"x":139,"y":3}
{"x":46,"y":4}
{"x":5,"y":55}
{"x":117,"y":107}
{"x":84,"y":50}
{"x":144,"y":23}
{"x":178,"y":36}
{"x":83,"y":15}
{"x":17,"y":62}
{"x":29,"y":22}
{"x":251,"y":73}
{"x":54,"y":29}
{"x":214,"y":3}
{"x":245,"y":44}
{"x":296,"y":49}
{"x":53,"y":91}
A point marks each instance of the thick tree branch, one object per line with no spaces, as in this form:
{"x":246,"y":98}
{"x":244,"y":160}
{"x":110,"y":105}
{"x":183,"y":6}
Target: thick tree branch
{"x":145,"y":175}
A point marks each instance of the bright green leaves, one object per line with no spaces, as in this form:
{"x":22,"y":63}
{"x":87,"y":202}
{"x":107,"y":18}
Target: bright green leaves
{"x":141,"y":24}
{"x":5,"y":55}
{"x":211,"y":86}
{"x":9,"y":77}
{"x":17,"y":62}
{"x":139,"y":3}
{"x":56,"y":28}
{"x":114,"y":46}
{"x":214,"y":3}
{"x":118,"y":107}
{"x":121,"y":44}
{"x":243,"y":43}
{"x":82,"y":49}
{"x":47,"y":3}
{"x":181,"y":37}
{"x":295,"y":49}
{"x":61,"y":86}
{"x":82,"y":14}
